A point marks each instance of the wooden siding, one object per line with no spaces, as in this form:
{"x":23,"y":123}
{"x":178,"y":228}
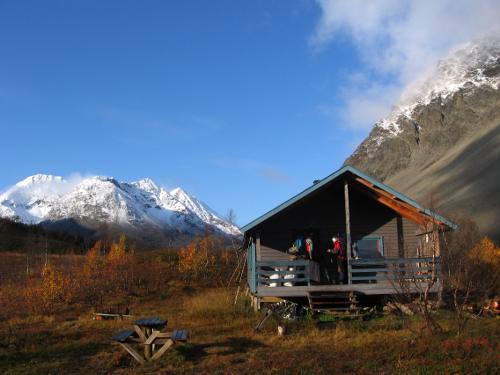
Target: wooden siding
{"x":322,"y":215}
{"x":270,"y":254}
{"x":370,"y":218}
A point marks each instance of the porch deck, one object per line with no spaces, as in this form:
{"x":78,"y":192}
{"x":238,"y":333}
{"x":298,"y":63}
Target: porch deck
{"x":380,"y":288}
{"x":365,"y":277}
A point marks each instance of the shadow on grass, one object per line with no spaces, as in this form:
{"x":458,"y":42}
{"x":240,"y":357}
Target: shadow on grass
{"x":74,"y":352}
{"x":232,"y":345}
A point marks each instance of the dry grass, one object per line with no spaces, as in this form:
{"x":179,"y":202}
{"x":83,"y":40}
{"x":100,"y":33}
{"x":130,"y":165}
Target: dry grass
{"x":223,"y":341}
{"x":215,"y":304}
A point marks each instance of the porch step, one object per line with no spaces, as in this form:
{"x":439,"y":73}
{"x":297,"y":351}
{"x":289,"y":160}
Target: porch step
{"x":332,"y":301}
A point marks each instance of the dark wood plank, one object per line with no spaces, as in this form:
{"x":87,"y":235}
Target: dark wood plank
{"x":151,"y":322}
{"x":179,"y":335}
{"x":123,"y":336}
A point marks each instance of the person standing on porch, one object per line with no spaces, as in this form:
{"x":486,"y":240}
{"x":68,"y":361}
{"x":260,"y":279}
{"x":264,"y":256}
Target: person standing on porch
{"x":330,"y":263}
{"x":340,"y":253}
{"x":309,"y":247}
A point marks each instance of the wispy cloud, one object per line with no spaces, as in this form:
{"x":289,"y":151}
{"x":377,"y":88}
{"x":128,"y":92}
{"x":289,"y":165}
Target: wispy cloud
{"x":361,"y":102}
{"x":251,"y":166}
{"x":136,"y":128}
{"x":398,"y":41}
{"x":274,"y":174}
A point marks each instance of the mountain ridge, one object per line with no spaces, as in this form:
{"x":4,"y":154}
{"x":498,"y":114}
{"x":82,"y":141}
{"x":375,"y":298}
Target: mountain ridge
{"x":443,"y":147}
{"x":135,"y":208}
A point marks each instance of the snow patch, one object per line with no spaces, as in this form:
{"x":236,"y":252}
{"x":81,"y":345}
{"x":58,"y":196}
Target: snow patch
{"x":105,"y":200}
{"x":469,"y":65}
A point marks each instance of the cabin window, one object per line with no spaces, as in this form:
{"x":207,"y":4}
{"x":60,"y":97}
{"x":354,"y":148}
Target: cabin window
{"x":370,"y":247}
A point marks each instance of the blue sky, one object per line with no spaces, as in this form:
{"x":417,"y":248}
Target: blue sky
{"x":242,"y":103}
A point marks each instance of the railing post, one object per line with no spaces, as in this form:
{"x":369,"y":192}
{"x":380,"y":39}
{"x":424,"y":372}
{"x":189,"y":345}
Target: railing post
{"x":254,"y":264}
{"x":347,"y":229}
{"x":308,"y":273}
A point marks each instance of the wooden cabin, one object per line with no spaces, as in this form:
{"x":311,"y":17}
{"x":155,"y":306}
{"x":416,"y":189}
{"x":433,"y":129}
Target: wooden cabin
{"x":389,"y":243}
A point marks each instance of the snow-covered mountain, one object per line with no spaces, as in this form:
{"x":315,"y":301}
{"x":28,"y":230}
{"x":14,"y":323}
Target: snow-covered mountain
{"x":473,"y":66}
{"x":140,"y":206}
{"x":442,"y":140}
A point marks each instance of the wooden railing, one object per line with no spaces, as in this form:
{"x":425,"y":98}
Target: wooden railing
{"x":361,"y":271}
{"x":394,"y":270}
{"x":282,"y":273}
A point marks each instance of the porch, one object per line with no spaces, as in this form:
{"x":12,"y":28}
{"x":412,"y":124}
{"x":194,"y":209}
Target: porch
{"x":364,"y":277}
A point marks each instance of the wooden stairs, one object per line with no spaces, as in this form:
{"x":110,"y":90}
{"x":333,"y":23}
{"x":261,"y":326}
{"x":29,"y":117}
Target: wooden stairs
{"x":333,"y":302}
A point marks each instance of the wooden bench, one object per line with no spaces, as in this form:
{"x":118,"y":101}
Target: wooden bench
{"x":179,"y":335}
{"x":124,"y":338}
{"x":124,"y":335}
{"x":166,"y":340}
{"x":105,"y":316}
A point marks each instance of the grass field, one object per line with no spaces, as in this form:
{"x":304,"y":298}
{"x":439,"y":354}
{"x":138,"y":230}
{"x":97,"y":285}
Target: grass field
{"x":222,"y":340}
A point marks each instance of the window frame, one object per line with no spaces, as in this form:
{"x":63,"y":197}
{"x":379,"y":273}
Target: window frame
{"x":380,"y":244}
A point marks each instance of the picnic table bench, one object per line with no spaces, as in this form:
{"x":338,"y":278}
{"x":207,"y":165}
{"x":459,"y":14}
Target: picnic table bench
{"x":147,"y":332}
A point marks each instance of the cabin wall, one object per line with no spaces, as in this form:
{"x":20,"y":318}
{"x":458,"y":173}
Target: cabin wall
{"x":370,"y":218}
{"x":323,"y":215}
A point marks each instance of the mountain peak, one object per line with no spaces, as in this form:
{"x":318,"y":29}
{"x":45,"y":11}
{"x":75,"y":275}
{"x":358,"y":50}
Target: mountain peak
{"x":140,"y":206}
{"x":147,"y":184}
{"x":441,"y":142}
{"x":471,"y":65}
{"x":39,"y":178}
{"x":179,"y":192}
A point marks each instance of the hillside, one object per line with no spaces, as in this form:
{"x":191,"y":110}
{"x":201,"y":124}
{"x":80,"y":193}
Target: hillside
{"x":441,"y":143}
{"x":15,"y":236}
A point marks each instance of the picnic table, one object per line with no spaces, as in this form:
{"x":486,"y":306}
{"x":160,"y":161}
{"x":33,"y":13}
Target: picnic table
{"x":147,"y":332}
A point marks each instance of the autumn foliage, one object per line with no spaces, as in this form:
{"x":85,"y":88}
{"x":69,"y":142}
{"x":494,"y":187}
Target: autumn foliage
{"x":110,"y":271}
{"x":484,"y":264}
{"x":207,"y":259}
{"x":471,"y":264}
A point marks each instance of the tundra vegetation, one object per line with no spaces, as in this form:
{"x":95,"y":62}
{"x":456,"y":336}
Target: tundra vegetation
{"x":47,"y":326}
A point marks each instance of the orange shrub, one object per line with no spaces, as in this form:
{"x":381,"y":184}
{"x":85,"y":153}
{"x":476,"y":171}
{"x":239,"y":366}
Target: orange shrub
{"x":206,"y":258}
{"x":94,"y":275}
{"x":56,"y":287}
{"x":120,"y":267}
{"x":484,"y":268}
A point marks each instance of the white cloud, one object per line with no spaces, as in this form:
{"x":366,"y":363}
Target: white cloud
{"x":401,"y":40}
{"x":362,"y":102}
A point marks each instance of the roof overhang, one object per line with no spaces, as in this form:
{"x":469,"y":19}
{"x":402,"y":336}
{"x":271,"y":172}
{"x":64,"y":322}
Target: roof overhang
{"x":384,"y":194}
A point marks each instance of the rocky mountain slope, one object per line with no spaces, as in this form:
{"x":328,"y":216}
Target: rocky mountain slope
{"x":441,"y":144}
{"x":141,"y":209}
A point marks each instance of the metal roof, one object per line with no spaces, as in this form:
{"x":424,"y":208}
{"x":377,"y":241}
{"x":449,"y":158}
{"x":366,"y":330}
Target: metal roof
{"x":334,"y":176}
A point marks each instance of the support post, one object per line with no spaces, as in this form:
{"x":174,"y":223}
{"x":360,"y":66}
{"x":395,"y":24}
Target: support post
{"x":257,"y":247}
{"x":347,"y":230}
{"x":147,"y":348}
{"x":132,"y":352}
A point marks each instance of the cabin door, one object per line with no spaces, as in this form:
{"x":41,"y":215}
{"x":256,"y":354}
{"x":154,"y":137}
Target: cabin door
{"x":369,"y":247}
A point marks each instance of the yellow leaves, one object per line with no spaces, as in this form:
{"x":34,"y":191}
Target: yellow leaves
{"x":117,"y":253}
{"x":106,"y":274}
{"x":484,"y":268}
{"x":187,"y":257}
{"x":485,"y":252}
{"x":53,"y":284}
{"x":93,"y":261}
{"x":56,"y":287}
{"x":196,"y":259}
{"x":205,"y":258}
